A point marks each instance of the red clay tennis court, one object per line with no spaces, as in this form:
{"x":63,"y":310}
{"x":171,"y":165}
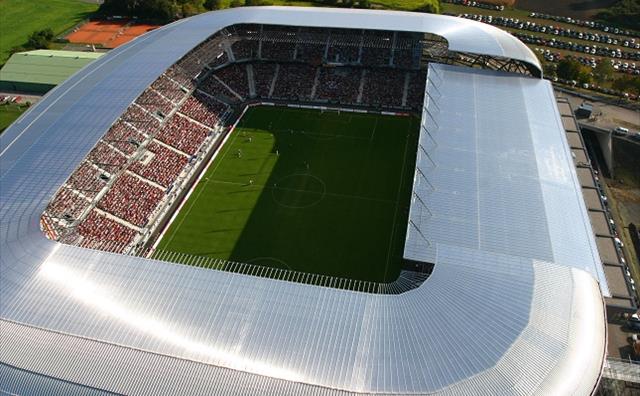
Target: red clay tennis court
{"x":109,"y":34}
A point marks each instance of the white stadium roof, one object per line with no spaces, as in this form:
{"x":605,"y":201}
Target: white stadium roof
{"x":496,"y":173}
{"x":522,"y":315}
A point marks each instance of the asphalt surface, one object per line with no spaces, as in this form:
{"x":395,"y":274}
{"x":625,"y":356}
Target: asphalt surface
{"x":607,"y":116}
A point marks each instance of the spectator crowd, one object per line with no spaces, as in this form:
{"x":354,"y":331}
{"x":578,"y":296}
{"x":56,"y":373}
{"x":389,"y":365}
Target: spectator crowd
{"x":121,"y":185}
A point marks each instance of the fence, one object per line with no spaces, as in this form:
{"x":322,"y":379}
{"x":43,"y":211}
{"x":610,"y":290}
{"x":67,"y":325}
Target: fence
{"x":407,"y":280}
{"x":622,"y":370}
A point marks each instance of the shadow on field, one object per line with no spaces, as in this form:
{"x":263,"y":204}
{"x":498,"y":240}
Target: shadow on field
{"x":322,"y":207}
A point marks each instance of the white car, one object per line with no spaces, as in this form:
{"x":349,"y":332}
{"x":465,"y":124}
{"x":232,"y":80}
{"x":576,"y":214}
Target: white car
{"x":621,"y":131}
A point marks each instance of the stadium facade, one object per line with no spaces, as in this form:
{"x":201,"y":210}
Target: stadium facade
{"x":514,"y":304}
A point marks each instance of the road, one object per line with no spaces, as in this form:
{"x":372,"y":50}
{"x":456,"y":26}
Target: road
{"x":607,"y":116}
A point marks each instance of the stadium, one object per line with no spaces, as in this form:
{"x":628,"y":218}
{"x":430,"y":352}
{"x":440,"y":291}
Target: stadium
{"x":273,"y":200}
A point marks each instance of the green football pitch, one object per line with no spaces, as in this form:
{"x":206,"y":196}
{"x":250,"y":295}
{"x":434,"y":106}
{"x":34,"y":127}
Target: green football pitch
{"x":321,"y":193}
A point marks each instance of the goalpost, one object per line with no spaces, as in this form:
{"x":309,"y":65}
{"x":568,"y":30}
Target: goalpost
{"x":329,"y":110}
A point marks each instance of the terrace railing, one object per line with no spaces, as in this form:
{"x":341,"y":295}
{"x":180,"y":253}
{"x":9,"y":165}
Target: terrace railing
{"x":622,"y":370}
{"x":407,"y":280}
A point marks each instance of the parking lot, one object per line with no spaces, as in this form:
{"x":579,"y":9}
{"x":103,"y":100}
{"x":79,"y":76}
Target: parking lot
{"x":555,"y":37}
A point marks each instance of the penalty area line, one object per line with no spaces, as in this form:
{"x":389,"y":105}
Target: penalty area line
{"x":191,"y":190}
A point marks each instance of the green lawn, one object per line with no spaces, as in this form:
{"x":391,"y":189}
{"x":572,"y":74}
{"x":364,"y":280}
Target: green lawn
{"x":19,"y":18}
{"x":345,"y":215}
{"x":8,"y":114}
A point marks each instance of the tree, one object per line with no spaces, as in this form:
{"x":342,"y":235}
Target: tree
{"x":430,"y":7}
{"x":627,"y":84}
{"x":364,"y":4}
{"x":603,"y":71}
{"x":569,"y":69}
{"x":191,"y":7}
{"x":584,"y":77}
{"x":213,"y":4}
{"x":161,"y":9}
{"x":623,"y":12}
{"x":549,"y":69}
{"x":164,"y":10}
{"x":40,"y":39}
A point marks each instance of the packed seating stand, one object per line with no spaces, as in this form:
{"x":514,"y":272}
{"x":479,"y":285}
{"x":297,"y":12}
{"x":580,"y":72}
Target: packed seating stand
{"x":149,"y":155}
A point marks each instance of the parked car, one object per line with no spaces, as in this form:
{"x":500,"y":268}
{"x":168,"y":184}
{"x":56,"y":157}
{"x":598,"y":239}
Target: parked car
{"x":621,"y":131}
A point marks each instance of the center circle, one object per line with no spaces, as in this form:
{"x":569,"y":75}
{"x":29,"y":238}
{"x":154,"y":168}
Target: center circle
{"x":298,"y":191}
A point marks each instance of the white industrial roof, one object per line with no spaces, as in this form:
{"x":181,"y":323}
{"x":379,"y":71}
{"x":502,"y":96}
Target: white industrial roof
{"x":80,"y":321}
{"x":496,"y":173}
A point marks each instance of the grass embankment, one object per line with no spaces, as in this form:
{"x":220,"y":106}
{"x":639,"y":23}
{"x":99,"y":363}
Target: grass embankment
{"x":20,"y":18}
{"x":9,"y":113}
